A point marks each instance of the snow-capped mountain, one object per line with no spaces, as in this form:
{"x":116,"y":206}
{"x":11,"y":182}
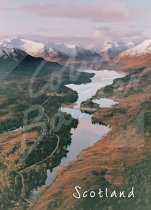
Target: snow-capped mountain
{"x":10,"y":53}
{"x":69,"y":52}
{"x":140,"y":50}
{"x":112,"y":49}
{"x":62,"y":47}
{"x":50,"y":51}
{"x":32,"y":48}
{"x":136,"y":56}
{"x":28,"y":46}
{"x":70,"y":49}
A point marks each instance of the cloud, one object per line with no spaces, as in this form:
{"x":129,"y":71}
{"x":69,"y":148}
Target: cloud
{"x":97,"y":11}
{"x":7,"y":5}
{"x":109,"y":34}
{"x":4,"y":5}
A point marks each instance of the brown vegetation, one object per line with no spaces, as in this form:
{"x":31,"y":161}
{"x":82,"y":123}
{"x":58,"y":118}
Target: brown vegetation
{"x":124,"y":146}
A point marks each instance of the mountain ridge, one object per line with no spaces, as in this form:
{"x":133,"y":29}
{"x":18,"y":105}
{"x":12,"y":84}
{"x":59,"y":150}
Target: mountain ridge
{"x":137,"y":56}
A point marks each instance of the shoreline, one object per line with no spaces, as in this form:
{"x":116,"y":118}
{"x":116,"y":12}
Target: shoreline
{"x":114,"y":156}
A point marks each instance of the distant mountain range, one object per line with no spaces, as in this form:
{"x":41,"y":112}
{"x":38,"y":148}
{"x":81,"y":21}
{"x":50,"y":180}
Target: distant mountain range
{"x":62,"y":51}
{"x":32,"y":48}
{"x":122,"y":52}
{"x":112,"y":49}
{"x":56,"y":52}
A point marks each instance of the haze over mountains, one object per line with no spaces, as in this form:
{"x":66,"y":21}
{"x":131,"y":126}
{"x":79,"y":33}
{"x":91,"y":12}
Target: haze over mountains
{"x":57,"y":52}
{"x":111,"y":49}
{"x":123,"y":52}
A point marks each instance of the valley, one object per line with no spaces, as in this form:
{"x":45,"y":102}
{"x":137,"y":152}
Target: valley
{"x":58,"y":122}
{"x":75,"y":105}
{"x":117,"y":161}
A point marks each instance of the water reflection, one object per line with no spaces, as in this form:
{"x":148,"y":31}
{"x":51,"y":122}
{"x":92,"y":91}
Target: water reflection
{"x":86,"y":134}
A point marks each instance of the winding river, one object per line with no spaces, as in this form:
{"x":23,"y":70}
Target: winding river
{"x":86,"y":133}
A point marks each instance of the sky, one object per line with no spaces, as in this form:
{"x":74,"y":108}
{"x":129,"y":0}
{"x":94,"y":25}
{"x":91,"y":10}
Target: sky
{"x":93,"y":19}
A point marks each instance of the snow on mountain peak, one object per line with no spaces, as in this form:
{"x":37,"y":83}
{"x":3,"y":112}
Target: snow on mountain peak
{"x":28,"y":46}
{"x":71,"y":46}
{"x":54,"y":51}
{"x":6,"y":52}
{"x":140,"y":50}
{"x":112,"y":48}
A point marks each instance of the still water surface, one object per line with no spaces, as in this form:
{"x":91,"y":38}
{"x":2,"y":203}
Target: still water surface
{"x":86,"y":134}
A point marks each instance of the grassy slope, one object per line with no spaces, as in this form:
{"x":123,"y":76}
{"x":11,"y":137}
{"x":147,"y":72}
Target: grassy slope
{"x":15,"y":99}
{"x":120,"y":160}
